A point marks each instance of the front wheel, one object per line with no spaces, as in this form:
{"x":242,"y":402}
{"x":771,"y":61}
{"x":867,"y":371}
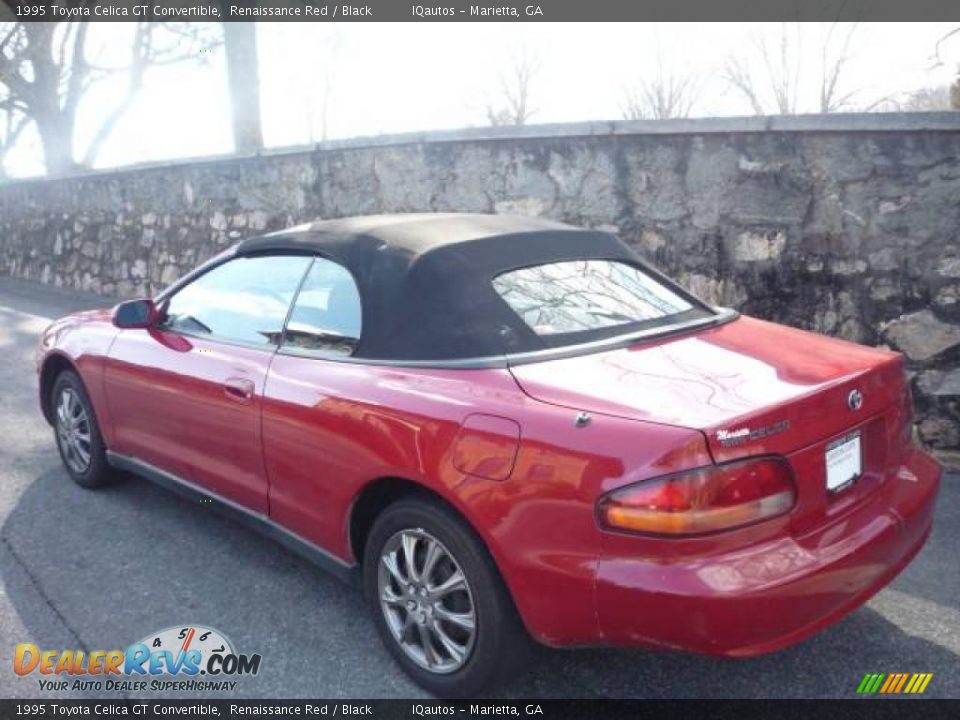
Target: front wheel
{"x":439,"y":603}
{"x":78,"y":435}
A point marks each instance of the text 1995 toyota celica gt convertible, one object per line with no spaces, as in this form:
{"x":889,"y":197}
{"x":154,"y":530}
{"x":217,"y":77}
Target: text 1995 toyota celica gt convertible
{"x":508,"y":428}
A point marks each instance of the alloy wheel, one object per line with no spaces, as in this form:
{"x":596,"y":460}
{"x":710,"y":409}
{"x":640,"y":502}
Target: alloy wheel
{"x":73,"y":431}
{"x":426,"y":601}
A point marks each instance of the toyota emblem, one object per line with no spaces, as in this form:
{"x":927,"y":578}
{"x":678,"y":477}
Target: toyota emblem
{"x":855,"y":400}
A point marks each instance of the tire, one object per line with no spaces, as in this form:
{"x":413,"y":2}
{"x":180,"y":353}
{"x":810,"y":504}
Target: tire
{"x":498,"y":644}
{"x":77,"y":433}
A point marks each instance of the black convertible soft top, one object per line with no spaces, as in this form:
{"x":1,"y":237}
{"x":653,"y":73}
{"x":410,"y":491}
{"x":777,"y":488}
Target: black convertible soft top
{"x":425,"y":280}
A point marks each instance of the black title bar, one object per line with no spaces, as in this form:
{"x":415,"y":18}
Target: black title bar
{"x":209,"y":709}
{"x":465,"y":11}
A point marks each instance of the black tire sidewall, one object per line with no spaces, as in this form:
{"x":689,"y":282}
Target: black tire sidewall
{"x":98,"y":472}
{"x":499,"y":636}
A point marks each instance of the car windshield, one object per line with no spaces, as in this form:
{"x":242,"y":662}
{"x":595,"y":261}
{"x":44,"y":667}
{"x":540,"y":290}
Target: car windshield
{"x":583,"y":295}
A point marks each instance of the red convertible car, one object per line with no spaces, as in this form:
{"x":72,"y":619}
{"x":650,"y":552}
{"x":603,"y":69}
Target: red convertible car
{"x":507,"y":428}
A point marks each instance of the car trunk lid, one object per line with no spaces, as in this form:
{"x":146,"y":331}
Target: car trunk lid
{"x":752,"y":388}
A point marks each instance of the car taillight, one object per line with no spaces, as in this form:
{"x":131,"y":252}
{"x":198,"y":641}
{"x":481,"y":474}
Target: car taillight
{"x":719,"y":497}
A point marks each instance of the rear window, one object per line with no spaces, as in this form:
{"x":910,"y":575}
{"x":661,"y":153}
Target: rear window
{"x":583,"y":295}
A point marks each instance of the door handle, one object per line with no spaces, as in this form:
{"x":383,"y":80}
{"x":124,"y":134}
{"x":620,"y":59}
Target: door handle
{"x":239,"y":388}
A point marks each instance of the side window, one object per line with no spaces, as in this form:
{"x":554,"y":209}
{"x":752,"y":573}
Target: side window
{"x":245,"y":299}
{"x":326,"y":314}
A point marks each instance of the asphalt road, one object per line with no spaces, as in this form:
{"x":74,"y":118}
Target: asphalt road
{"x":100,"y":570}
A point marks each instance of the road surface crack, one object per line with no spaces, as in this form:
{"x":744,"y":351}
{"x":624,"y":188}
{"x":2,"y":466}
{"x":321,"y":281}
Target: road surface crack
{"x":46,"y":598}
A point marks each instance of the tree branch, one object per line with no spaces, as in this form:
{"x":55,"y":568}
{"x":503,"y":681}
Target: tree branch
{"x":77,"y":77}
{"x":936,"y":49}
{"x":139,"y":57}
{"x":737,"y":75}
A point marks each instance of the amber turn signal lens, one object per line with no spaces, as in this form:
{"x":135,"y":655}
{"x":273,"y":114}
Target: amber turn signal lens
{"x":708,"y":499}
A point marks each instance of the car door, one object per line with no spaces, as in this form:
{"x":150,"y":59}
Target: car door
{"x":186,"y":396}
{"x":315,"y":425}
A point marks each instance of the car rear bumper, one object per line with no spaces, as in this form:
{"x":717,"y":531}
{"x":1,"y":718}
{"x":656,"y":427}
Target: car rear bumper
{"x":774,"y":593}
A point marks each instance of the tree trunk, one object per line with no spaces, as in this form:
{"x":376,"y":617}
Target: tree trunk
{"x":240,"y":42}
{"x":54,"y":116}
{"x":56,"y":137}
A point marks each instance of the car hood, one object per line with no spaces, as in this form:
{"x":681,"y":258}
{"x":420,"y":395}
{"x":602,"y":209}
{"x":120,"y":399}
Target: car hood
{"x":751,"y":386}
{"x":73,"y":320}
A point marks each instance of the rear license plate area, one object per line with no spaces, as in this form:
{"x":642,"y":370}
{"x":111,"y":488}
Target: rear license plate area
{"x":844,"y":462}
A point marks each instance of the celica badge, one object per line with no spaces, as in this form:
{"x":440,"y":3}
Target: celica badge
{"x":731,"y":438}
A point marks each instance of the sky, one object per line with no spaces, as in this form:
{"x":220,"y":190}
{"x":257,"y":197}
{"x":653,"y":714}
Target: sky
{"x":347,"y":80}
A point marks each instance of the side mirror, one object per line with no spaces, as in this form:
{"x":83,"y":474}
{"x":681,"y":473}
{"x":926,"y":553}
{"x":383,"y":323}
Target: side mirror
{"x":135,"y":314}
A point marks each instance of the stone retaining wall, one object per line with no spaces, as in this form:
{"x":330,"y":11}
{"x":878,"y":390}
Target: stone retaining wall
{"x":848,"y":225}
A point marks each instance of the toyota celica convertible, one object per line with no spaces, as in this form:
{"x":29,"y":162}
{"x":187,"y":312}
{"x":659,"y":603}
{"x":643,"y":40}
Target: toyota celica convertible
{"x":507,"y":428}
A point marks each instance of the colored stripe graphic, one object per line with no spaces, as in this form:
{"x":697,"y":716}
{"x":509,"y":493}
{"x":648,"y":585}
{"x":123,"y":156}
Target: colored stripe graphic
{"x":903,"y":681}
{"x":894,"y":683}
{"x":918,"y":683}
{"x":870,"y":683}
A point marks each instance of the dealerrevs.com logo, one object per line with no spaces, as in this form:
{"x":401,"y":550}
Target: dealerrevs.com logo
{"x":180,"y":658}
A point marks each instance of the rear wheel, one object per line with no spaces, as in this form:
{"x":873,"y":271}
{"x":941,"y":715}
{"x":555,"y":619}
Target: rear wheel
{"x":78,"y":435}
{"x":439,"y":603}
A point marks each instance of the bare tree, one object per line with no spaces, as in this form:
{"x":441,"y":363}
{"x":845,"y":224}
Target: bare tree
{"x":153,"y":45}
{"x":930,"y":99}
{"x":927,"y":100}
{"x":938,"y":61}
{"x":666,"y":95}
{"x":834,"y":54}
{"x":938,"y":48}
{"x":46,"y":70}
{"x":769,"y":78}
{"x":513,"y":106}
{"x":737,"y":74}
{"x":243,"y":75}
{"x":12,"y":123}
